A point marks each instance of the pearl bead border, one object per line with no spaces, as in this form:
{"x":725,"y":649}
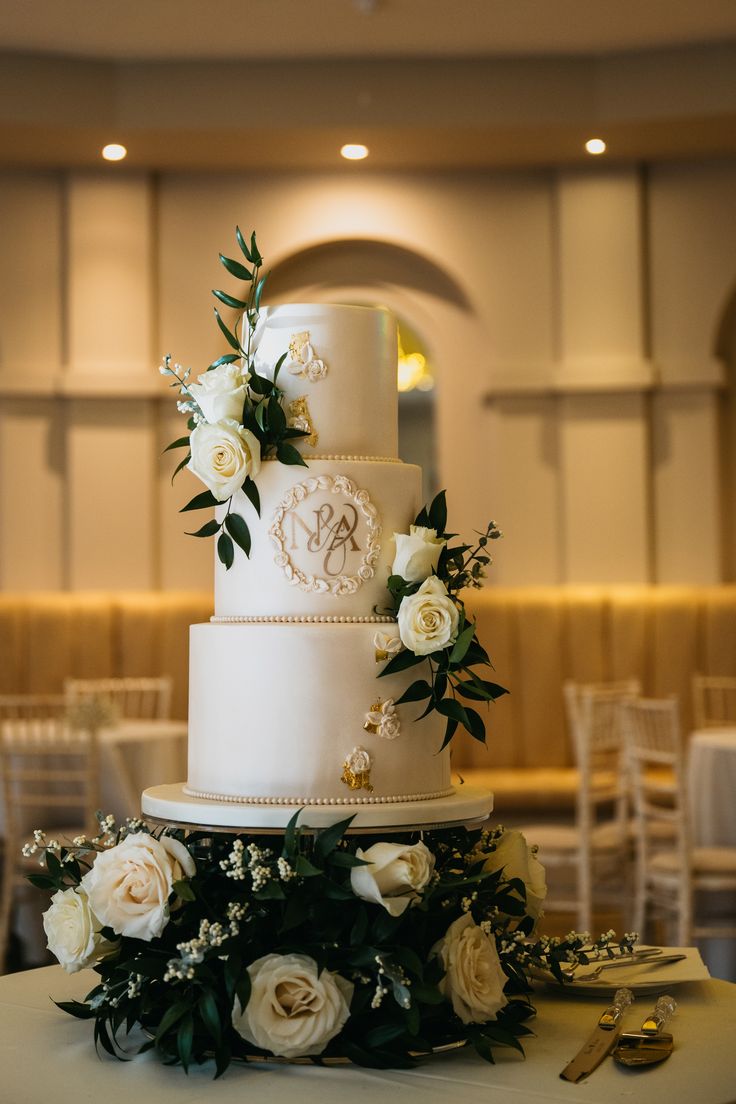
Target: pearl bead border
{"x":230,"y":799}
{"x":342,"y":456}
{"x":303,"y":619}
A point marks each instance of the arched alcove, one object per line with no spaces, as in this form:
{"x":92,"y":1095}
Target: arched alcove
{"x":411,"y":285}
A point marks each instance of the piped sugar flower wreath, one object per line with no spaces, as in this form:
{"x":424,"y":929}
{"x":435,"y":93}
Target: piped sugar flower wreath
{"x":316,"y":946}
{"x":236,"y":416}
{"x":426,"y":578}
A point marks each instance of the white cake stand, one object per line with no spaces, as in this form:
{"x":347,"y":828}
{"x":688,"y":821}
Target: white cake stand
{"x":170,"y":805}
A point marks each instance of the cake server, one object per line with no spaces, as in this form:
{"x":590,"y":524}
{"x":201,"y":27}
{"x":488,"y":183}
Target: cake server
{"x":650,"y":1044}
{"x":602,"y":1041}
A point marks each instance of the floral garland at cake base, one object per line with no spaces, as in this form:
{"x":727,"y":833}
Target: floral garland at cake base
{"x":308,"y":945}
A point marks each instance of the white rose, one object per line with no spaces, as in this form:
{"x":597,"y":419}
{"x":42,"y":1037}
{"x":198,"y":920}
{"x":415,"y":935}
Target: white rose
{"x":223,"y":454}
{"x":396,"y":877}
{"x":293,"y":1009}
{"x":220,"y":393}
{"x":517,"y":859}
{"x":129,"y":886}
{"x":428,"y":620}
{"x":417,"y":553}
{"x":73,"y":931}
{"x":474,"y":978}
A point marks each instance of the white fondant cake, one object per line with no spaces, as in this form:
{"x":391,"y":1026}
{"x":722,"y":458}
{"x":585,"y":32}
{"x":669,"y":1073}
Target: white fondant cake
{"x":285,"y":708}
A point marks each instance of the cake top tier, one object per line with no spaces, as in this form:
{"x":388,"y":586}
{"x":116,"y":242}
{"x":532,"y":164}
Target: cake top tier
{"x":339,"y":375}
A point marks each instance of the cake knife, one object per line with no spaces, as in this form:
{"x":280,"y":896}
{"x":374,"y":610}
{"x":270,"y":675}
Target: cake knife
{"x":602,"y":1041}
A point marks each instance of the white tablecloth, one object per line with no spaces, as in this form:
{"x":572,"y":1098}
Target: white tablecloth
{"x":45,"y":1055}
{"x":712,"y":780}
{"x":136,"y":755}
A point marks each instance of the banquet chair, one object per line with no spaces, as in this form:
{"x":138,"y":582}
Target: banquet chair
{"x":595,"y":848}
{"x":670,"y":871}
{"x":714,"y":700}
{"x":50,"y":778}
{"x":130,"y":698}
{"x":17,"y":706}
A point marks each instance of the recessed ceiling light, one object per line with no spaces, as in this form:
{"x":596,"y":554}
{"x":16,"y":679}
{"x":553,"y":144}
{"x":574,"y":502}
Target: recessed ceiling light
{"x":114,"y":152}
{"x":353,"y":151}
{"x":595,"y":146}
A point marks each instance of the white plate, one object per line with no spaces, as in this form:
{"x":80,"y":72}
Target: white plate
{"x":642,"y":978}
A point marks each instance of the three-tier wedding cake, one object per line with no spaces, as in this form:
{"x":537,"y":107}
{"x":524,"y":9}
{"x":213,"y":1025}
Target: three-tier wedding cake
{"x":285,"y":706}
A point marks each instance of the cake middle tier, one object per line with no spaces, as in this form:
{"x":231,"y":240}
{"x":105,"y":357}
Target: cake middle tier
{"x":323,"y":544}
{"x":295,"y":714}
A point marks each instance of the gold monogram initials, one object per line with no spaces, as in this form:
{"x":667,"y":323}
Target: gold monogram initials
{"x":333,"y":533}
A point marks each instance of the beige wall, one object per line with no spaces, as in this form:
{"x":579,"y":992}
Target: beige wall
{"x":573,"y":317}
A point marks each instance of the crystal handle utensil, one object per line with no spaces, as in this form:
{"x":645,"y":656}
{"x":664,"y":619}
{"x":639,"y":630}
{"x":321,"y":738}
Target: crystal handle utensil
{"x":661,"y":1015}
{"x":602,"y":1041}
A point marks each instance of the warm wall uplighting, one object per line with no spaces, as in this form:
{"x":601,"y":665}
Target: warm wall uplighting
{"x":595,"y":146}
{"x":114,"y":152}
{"x":354,"y":152}
{"x":414,"y":373}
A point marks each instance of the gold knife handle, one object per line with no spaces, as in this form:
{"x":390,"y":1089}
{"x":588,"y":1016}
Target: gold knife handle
{"x":658,"y":1019}
{"x":615,"y":1011}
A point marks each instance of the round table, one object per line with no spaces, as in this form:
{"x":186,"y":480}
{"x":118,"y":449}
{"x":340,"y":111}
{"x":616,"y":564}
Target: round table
{"x":712,"y":785}
{"x":46,"y":1055}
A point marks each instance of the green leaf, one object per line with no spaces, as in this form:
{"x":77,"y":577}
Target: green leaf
{"x":183,"y":889}
{"x":257,"y":258}
{"x":260,"y":384}
{"x":345,"y":859}
{"x":251,"y":491}
{"x":76,"y":1008}
{"x":306,"y":869}
{"x":238,"y":529}
{"x":229,"y":337}
{"x":418,"y":691}
{"x":210,"y":1014}
{"x":475,"y":725}
{"x":200,"y":502}
{"x":448,"y":707}
{"x":449,"y":733}
{"x":241,"y":242}
{"x":277,"y":367}
{"x":41,"y":881}
{"x":462,"y":644}
{"x":182,"y":464}
{"x":291,"y":835}
{"x":287,"y":454}
{"x":227,"y":358}
{"x":259,"y":292}
{"x":438,"y":513}
{"x":180,"y":442}
{"x":426,"y":994}
{"x":276,"y":416}
{"x":225,"y":550}
{"x":184,"y":1038}
{"x":229,"y":300}
{"x":235,"y":268}
{"x":208,"y":529}
{"x":171,"y":1016}
{"x":401,"y":662}
{"x":328,"y":839}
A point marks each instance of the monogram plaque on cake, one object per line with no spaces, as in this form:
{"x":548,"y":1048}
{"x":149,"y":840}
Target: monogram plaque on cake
{"x":326,"y":531}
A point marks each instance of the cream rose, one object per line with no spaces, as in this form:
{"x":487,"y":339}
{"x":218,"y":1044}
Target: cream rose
{"x":474,"y":979}
{"x":417,"y":553}
{"x":73,"y":931}
{"x":293,"y":1009}
{"x":396,"y":877}
{"x":129,"y":886}
{"x":220,"y":393}
{"x":428,"y":620}
{"x":223,"y":454}
{"x":517,"y":859}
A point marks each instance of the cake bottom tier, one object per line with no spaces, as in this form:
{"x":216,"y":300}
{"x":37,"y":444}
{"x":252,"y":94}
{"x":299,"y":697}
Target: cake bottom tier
{"x":294,"y":713}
